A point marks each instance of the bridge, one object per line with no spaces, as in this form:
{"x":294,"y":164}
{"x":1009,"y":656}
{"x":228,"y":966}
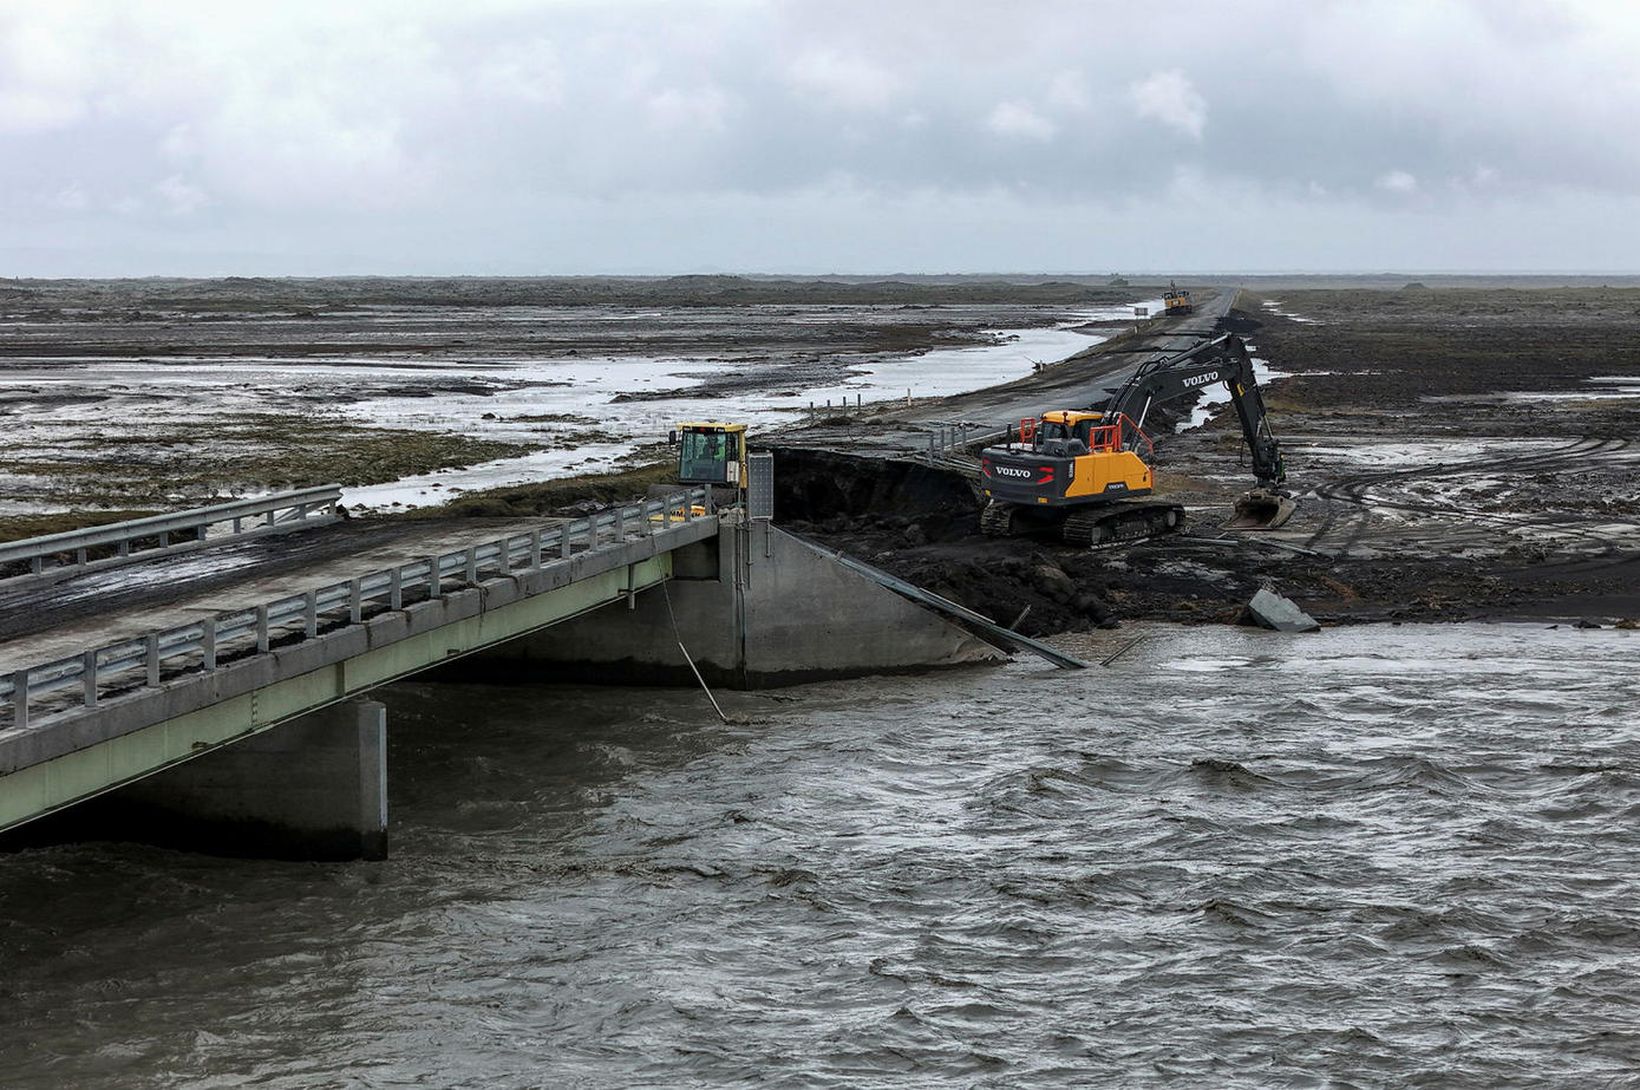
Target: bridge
{"x":207,"y":668}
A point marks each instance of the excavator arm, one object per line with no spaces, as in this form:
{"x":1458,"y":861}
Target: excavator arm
{"x":1222,"y":360}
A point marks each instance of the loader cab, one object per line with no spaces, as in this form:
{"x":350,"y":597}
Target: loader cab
{"x":711,"y":453}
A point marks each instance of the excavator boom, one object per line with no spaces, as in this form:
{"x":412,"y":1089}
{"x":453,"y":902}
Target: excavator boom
{"x":1223,"y":360}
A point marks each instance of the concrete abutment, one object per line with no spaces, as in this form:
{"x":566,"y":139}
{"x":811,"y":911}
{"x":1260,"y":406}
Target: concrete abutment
{"x":757,"y":608}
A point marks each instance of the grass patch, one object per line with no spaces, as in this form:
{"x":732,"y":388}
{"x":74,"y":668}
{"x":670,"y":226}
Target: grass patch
{"x":259,"y":450}
{"x":553,"y":497}
{"x":19,"y":527}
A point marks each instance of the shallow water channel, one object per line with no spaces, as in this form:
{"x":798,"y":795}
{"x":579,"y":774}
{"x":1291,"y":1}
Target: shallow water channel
{"x":1378,"y":856}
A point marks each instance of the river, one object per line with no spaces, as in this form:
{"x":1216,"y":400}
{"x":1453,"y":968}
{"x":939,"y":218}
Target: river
{"x":1377,"y":856}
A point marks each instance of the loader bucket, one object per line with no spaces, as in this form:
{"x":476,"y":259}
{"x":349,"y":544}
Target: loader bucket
{"x":1262,"y":509}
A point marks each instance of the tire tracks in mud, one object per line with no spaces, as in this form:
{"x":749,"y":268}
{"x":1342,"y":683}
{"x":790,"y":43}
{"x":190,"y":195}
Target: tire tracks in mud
{"x":1355,"y":493}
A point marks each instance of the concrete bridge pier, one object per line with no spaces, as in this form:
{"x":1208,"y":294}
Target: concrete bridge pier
{"x":311,"y":788}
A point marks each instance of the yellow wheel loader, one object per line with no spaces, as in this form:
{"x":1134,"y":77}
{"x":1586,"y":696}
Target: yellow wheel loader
{"x":1177,"y":301}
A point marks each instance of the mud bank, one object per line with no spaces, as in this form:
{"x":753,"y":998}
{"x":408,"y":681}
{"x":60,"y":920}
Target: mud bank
{"x":1205,"y":576}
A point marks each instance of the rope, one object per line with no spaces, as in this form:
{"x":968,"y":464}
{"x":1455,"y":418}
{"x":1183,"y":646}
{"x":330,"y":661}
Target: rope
{"x":667,"y":594}
{"x":1130,"y":646}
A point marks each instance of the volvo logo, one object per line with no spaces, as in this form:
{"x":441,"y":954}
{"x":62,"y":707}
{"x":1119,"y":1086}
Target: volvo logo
{"x":1201,"y":380}
{"x":1011,"y":471}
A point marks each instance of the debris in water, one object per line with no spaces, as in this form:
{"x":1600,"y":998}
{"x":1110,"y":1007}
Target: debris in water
{"x":1273,"y":611}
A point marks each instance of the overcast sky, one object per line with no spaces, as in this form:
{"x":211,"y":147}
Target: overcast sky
{"x":504,"y":136}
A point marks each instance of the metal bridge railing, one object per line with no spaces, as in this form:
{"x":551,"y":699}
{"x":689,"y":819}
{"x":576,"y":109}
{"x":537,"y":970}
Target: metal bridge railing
{"x":200,"y":646}
{"x":952,"y":437}
{"x":77,"y":548}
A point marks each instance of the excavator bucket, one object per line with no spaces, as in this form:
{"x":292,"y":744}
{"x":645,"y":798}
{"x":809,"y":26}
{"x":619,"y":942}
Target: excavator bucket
{"x":1262,"y":509}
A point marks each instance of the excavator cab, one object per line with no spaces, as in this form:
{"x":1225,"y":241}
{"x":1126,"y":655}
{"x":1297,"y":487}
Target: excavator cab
{"x":1065,"y":433}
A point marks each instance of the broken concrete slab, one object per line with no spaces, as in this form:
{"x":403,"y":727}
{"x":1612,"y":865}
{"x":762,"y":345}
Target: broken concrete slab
{"x":1271,"y":610}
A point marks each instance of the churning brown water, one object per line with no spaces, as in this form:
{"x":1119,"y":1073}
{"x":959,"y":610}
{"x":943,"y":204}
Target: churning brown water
{"x":1373,"y":857}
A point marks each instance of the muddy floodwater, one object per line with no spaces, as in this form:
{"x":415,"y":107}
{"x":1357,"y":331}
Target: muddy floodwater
{"x":1378,"y":856}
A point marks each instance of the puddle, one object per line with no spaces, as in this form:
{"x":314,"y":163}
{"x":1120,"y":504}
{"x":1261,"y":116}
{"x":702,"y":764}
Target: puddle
{"x":1274,"y":306}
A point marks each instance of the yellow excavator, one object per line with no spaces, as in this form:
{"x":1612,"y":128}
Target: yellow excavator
{"x":1080,"y":474}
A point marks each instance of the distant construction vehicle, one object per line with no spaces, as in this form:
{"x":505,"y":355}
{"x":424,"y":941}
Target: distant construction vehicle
{"x":1079,"y":473}
{"x":1176,"y":301}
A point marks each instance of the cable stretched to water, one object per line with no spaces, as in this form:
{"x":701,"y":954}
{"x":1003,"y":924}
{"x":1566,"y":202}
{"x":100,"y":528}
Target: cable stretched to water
{"x":1137,"y":640}
{"x":676,"y":635}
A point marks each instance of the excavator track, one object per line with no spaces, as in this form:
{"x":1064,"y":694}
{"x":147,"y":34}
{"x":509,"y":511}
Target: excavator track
{"x":1121,"y":523}
{"x":997,"y":520}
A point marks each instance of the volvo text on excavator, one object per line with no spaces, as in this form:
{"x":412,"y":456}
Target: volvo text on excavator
{"x":1080,"y":473}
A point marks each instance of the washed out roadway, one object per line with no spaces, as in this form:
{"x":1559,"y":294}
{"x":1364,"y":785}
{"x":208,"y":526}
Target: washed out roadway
{"x":1074,"y":383}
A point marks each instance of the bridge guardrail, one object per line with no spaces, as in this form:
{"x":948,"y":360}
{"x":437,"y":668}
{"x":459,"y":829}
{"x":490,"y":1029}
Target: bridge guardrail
{"x":116,"y":540}
{"x":946,"y":437}
{"x":143,"y":661}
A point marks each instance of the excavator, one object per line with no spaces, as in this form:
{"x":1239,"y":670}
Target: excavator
{"x":1080,"y":474}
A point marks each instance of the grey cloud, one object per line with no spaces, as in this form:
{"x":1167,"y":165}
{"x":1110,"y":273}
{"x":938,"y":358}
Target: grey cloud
{"x":501,"y":135}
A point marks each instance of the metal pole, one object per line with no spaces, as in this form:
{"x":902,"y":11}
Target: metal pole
{"x":262,"y":629}
{"x":19,"y":699}
{"x":88,"y":677}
